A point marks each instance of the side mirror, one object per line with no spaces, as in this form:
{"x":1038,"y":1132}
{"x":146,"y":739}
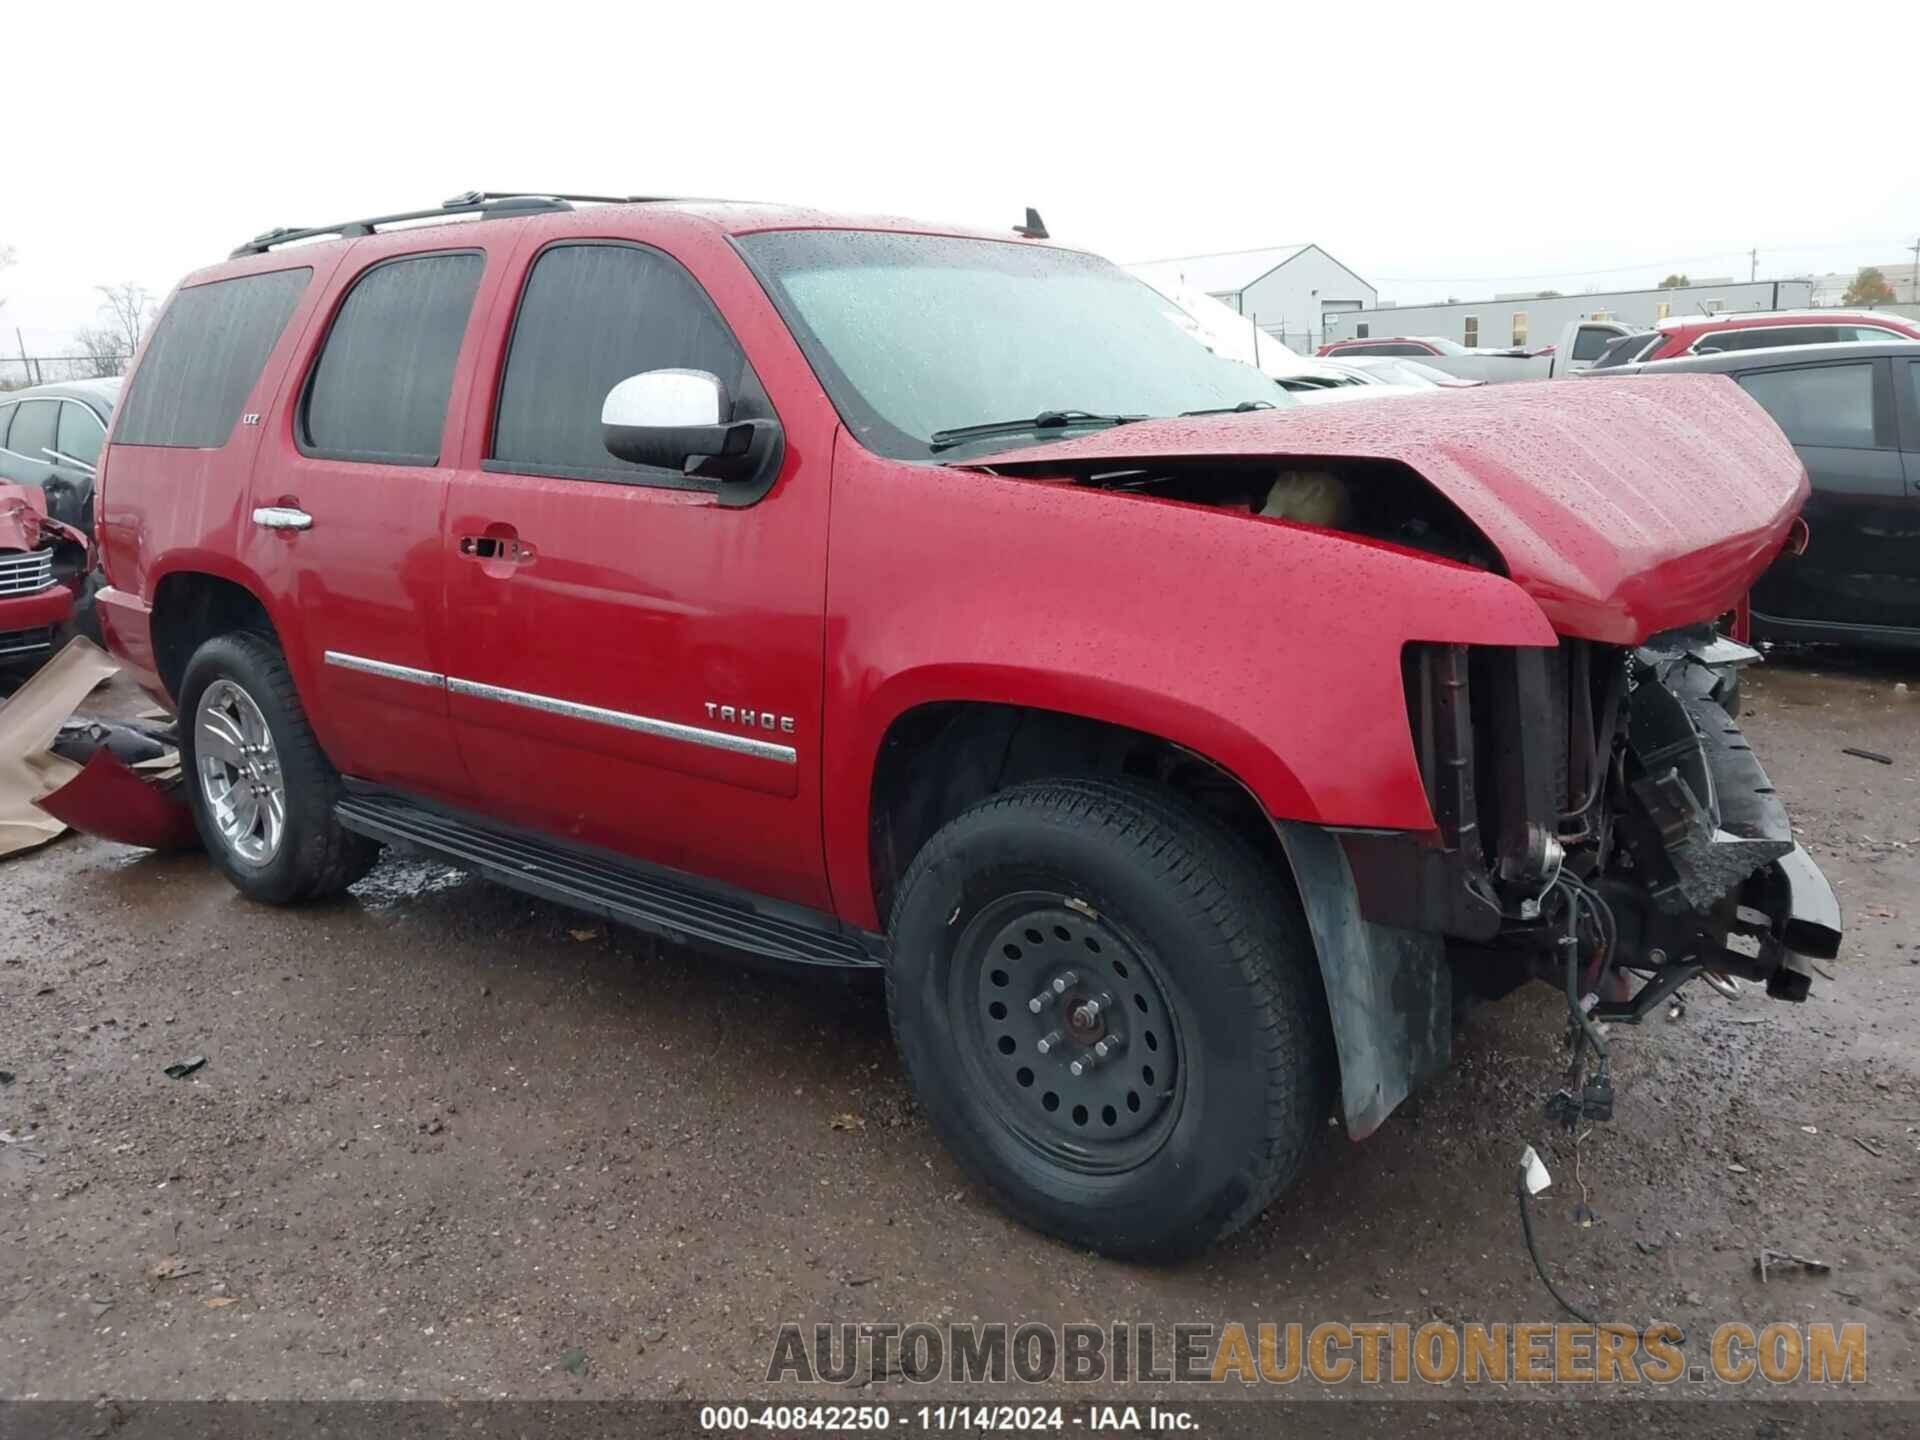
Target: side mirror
{"x":683,"y":420}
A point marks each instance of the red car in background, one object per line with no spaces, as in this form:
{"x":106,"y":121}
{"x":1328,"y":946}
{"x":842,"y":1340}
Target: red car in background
{"x":42,"y":564}
{"x":1396,"y":346}
{"x":1758,"y":330}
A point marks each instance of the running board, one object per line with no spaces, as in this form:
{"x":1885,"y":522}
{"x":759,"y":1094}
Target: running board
{"x":677,"y":907}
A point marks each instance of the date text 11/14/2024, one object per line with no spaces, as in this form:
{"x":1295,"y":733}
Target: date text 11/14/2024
{"x":969,"y":1419}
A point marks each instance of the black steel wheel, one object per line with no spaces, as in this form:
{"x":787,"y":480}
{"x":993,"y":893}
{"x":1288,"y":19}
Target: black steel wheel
{"x":1112,"y":1013}
{"x":1074,"y":1044}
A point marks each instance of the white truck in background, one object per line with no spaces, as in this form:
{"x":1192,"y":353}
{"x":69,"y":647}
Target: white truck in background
{"x":1579,"y":346}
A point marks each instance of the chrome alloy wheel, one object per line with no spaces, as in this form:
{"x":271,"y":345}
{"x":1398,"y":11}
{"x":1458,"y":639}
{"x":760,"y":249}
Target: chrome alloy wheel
{"x":239,"y":771}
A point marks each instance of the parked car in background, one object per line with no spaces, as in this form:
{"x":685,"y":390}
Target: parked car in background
{"x":1714,"y":334}
{"x":1414,"y":374}
{"x":43,"y":565}
{"x":1581,"y":343}
{"x":1405,"y":346}
{"x":50,"y":439}
{"x":1852,"y":411}
{"x":1231,"y":335}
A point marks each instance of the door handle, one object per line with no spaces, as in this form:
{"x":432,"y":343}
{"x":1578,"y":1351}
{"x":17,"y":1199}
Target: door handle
{"x":507,"y":548}
{"x":282,"y":517}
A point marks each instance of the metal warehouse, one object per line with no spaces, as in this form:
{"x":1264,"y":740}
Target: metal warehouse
{"x":1292,"y":292}
{"x":1537,"y":318}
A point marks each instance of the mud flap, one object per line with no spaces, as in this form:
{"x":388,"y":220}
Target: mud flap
{"x":1389,"y":991}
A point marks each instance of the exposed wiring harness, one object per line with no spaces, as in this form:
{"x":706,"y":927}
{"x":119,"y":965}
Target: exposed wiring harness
{"x":1533,"y":1249}
{"x":1587,"y":1033}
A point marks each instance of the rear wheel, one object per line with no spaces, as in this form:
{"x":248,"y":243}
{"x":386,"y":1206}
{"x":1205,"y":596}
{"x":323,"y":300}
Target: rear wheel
{"x":1112,"y":1014}
{"x":262,"y":791}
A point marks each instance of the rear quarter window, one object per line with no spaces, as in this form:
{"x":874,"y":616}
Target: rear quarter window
{"x":204,"y":359}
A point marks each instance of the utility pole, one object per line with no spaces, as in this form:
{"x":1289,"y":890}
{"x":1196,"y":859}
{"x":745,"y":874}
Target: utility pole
{"x":1753,"y":265}
{"x":1916,"y":272}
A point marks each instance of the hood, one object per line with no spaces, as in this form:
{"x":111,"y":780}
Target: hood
{"x":25,"y":524}
{"x":1623,"y":508}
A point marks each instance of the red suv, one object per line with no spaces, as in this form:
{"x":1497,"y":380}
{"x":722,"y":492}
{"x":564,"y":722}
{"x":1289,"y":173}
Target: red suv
{"x":1762,"y":330}
{"x":877,"y":596}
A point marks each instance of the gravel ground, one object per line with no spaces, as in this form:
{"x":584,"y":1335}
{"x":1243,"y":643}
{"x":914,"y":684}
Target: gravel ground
{"x":449,"y":1142}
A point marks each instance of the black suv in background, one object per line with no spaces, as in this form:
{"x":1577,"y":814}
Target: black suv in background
{"x":1852,"y":412}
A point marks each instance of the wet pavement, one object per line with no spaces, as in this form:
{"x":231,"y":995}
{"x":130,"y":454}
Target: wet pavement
{"x":449,"y":1142}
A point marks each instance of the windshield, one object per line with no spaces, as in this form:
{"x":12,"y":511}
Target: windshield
{"x":920,"y":335}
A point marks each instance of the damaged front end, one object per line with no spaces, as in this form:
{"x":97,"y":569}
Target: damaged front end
{"x":1602,"y":824}
{"x":43,"y":563}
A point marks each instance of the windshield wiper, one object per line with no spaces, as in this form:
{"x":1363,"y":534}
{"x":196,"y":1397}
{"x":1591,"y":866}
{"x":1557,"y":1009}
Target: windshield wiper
{"x":1045,"y":420}
{"x":1241,"y":409}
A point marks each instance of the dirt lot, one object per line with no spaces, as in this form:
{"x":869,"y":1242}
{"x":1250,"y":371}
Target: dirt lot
{"x":452,"y":1143}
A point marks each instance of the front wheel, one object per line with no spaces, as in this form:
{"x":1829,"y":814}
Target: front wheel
{"x":262,"y":791}
{"x":1112,"y":1013}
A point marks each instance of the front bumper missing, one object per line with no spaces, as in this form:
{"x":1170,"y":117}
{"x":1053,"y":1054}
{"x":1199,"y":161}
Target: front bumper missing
{"x":1727,"y":888}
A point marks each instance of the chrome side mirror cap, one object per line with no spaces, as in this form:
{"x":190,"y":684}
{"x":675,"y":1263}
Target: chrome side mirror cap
{"x":683,"y":420}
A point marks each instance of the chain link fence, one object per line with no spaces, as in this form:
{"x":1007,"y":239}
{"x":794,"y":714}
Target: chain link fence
{"x":19,"y":371}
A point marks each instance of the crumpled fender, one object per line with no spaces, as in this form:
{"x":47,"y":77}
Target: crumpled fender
{"x":1272,"y":650}
{"x":26,"y":525}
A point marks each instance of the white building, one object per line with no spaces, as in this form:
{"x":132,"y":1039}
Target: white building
{"x":1538,"y":319}
{"x":1903,"y":277}
{"x":1287,"y":290}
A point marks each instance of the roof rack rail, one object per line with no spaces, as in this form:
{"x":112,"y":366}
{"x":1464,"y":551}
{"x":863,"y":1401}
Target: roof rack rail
{"x":496,"y":204}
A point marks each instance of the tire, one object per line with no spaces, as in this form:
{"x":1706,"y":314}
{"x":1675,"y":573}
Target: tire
{"x":311,"y":856}
{"x":1219,"y":1091}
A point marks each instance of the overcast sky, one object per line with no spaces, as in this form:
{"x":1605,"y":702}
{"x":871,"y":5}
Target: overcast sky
{"x":1436,"y":149}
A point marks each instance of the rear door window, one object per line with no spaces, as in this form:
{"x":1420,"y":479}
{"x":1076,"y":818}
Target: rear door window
{"x":591,"y":316}
{"x":204,"y":358}
{"x":1818,"y":404}
{"x":379,"y":389}
{"x":35,"y":428}
{"x":80,"y":433}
